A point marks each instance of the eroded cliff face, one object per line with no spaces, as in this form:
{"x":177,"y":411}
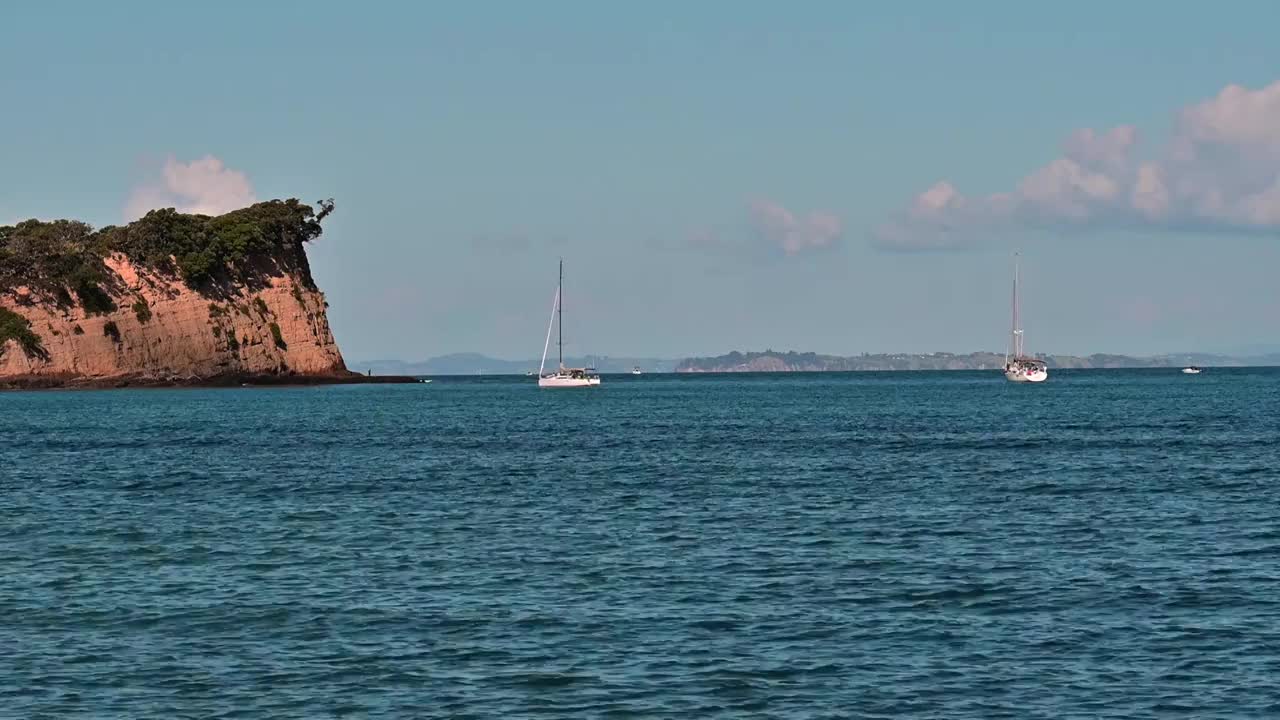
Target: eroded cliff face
{"x":166,"y":330}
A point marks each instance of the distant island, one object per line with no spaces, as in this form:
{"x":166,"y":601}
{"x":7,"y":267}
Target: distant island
{"x":771,"y":361}
{"x":169,"y":299}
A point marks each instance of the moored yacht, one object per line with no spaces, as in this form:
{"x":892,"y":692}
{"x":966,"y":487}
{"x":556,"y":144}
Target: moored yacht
{"x":563,"y":377}
{"x":1018,"y":366}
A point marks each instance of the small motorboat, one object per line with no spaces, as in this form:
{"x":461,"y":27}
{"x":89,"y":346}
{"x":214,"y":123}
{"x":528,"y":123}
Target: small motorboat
{"x":1192,"y":370}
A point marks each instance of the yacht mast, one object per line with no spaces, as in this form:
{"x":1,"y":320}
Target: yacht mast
{"x":1016,"y":335}
{"x":560,"y":309}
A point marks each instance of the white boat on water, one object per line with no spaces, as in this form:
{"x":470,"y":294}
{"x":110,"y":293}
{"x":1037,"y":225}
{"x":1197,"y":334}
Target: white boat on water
{"x":635,"y":370}
{"x":1018,"y":366}
{"x":563,"y":377}
{"x":1193,"y":370}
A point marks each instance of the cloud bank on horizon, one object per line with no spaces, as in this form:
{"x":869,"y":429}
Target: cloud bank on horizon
{"x":1220,"y":171}
{"x":204,"y":186}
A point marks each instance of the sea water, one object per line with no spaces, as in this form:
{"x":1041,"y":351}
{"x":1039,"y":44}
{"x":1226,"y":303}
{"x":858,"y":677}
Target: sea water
{"x":793,"y":546}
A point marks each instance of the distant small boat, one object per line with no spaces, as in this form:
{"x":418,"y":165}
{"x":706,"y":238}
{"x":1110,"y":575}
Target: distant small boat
{"x":1192,"y":370}
{"x":635,"y":370}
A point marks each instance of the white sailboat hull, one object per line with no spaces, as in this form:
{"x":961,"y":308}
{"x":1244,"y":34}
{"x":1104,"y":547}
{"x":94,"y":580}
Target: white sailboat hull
{"x":556,"y":381}
{"x":1025,"y":376}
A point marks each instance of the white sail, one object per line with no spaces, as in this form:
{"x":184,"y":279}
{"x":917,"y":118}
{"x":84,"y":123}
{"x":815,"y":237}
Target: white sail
{"x":555,"y":303}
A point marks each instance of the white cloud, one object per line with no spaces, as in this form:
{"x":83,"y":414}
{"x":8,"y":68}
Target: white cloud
{"x":1220,"y":171}
{"x":794,"y":235}
{"x":203,"y":186}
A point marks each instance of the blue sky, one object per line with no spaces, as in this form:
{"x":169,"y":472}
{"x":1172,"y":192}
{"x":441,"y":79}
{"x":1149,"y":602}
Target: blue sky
{"x":673,"y":153}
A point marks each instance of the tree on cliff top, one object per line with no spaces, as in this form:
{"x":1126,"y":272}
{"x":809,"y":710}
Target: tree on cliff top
{"x":61,"y":257}
{"x":203,"y":248}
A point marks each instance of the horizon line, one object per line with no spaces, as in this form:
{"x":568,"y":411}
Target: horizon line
{"x":669,"y":358}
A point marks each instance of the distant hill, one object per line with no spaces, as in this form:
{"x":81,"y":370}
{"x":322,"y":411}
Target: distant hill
{"x":772,"y":361}
{"x":475,"y":364}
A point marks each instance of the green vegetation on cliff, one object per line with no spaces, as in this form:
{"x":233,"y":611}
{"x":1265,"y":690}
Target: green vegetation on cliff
{"x":61,"y":261}
{"x":16,"y":327}
{"x":142,"y":310}
{"x":279,"y":338}
{"x":55,"y":259}
{"x":227,"y":247}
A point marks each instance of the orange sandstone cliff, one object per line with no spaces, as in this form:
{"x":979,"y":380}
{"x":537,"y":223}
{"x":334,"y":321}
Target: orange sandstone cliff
{"x":169,"y":299}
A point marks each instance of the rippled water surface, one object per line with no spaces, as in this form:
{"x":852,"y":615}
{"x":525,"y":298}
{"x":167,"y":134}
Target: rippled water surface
{"x":876,"y":545}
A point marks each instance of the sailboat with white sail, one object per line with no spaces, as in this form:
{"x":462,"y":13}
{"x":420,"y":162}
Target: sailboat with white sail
{"x":1018,"y":366}
{"x":563,"y":377}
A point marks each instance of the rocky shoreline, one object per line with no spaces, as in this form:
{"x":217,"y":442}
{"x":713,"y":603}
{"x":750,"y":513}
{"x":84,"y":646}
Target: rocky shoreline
{"x":78,"y":382}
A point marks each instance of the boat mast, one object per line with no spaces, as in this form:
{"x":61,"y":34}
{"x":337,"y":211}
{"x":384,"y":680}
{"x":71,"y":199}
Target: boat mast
{"x":1017,"y":320}
{"x":560,"y":309}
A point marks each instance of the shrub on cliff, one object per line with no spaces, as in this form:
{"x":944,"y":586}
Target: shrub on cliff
{"x":142,"y":310}
{"x":16,"y":327}
{"x":94,"y":299}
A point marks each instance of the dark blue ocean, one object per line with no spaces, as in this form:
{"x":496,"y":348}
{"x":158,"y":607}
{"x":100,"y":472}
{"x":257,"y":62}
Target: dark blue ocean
{"x":940,"y":545}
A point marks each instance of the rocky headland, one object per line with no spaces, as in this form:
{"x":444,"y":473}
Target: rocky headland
{"x":170,"y":299}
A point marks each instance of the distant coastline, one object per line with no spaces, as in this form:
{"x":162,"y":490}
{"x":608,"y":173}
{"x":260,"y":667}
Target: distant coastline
{"x":790,"y":361}
{"x":771,"y":361}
